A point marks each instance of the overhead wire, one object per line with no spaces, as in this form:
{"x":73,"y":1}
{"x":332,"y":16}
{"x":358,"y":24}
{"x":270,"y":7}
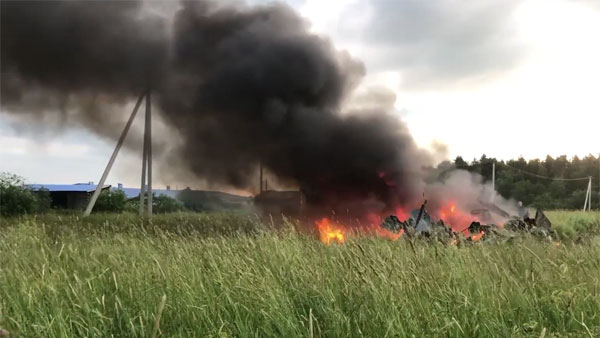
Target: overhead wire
{"x":536,"y":175}
{"x":546,"y":177}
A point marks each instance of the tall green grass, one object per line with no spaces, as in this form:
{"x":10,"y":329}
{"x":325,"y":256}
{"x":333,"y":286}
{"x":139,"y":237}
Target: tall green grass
{"x":231,"y":276}
{"x":573,"y":224}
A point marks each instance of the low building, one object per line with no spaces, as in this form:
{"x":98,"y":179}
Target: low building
{"x":277,"y":203}
{"x":135,"y":192}
{"x":197,"y":200}
{"x":77,"y":196}
{"x":69,"y":196}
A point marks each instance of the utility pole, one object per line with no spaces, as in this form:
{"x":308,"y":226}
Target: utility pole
{"x":92,"y":201}
{"x":149,"y":126}
{"x":588,"y":196}
{"x":144,"y":161}
{"x":146,"y":196}
{"x":493,"y":180}
{"x":260,"y":177}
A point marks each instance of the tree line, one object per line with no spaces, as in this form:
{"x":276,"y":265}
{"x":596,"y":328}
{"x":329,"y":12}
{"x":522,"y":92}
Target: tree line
{"x":519,"y":179}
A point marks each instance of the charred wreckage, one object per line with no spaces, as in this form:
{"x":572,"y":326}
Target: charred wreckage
{"x":421,"y":225}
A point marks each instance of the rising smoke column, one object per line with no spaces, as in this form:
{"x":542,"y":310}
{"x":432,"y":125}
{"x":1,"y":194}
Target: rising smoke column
{"x":70,"y":47}
{"x":242,"y":85}
{"x":65,"y":60}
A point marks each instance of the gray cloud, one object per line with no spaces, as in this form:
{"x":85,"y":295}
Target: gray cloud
{"x":439,"y":43}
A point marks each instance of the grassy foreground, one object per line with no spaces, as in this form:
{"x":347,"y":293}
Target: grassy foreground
{"x":105,"y":276}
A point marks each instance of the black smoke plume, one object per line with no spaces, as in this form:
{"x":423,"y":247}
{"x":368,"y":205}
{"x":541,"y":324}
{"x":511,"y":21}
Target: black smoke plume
{"x":241,"y":85}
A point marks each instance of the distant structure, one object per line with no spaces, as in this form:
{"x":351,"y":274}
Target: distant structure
{"x":276,"y":203}
{"x":69,"y":196}
{"x":77,"y":196}
{"x":197,"y":200}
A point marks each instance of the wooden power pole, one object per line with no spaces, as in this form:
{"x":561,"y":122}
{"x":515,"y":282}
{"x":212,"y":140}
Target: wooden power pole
{"x":146,"y":159}
{"x":92,"y":201}
{"x":146,"y":194}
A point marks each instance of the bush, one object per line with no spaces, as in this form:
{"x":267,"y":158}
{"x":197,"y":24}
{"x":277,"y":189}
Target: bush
{"x":111,"y":201}
{"x":163,"y":204}
{"x":577,"y":199}
{"x":15,"y":197}
{"x":43,"y":200}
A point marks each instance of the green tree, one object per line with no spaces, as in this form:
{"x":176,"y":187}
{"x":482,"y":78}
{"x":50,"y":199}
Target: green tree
{"x":15,"y":197}
{"x":111,"y":201}
{"x":539,"y":191}
{"x":163,"y":204}
{"x":43,"y":200}
{"x":575,"y":200}
{"x":549,"y":165}
{"x":460,"y":163}
{"x":544,"y":201}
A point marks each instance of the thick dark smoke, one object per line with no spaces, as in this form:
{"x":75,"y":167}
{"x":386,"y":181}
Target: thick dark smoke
{"x":65,"y":60}
{"x":241,"y":85}
{"x":71,"y":47}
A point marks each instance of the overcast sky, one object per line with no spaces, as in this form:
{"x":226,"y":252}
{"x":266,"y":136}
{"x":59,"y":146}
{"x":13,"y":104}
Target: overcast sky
{"x":504,"y":78}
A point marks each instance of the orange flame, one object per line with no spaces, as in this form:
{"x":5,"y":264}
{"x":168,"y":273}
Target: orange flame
{"x":453,"y":217}
{"x":456,"y":219}
{"x":383,"y":232}
{"x":329,"y":232}
{"x":476,"y":237}
{"x":401,"y":214}
{"x":378,"y":230}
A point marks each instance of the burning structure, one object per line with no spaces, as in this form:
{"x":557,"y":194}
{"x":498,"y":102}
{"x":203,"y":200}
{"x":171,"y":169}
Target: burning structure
{"x":274,"y":203}
{"x":237,"y":86}
{"x":421,"y":225}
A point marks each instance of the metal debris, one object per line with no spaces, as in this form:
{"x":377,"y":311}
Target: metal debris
{"x":427,"y":227}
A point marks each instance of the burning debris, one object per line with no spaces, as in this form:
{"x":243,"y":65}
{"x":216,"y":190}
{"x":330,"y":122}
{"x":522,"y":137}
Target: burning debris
{"x":539,"y":226}
{"x":422,"y":225}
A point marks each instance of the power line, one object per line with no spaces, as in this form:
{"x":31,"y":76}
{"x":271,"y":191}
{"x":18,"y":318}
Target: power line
{"x":545,"y":177}
{"x":533,"y":174}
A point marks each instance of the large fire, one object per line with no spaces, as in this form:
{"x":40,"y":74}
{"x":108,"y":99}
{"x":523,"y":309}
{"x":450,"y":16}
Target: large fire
{"x":329,"y":232}
{"x":335,"y":232}
{"x":456,"y":219}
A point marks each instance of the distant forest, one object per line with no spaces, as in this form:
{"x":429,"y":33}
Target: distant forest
{"x":514,"y":181}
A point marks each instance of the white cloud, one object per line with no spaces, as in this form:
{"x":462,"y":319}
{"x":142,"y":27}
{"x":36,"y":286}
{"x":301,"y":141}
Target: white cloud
{"x":13,"y":145}
{"x":546,"y":103}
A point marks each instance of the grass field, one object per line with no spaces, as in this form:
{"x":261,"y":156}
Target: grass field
{"x":570,"y":224}
{"x":225,"y":275}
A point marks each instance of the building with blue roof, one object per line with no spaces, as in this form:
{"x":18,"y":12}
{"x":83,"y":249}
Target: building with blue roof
{"x":76,"y":196}
{"x":69,"y":196}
